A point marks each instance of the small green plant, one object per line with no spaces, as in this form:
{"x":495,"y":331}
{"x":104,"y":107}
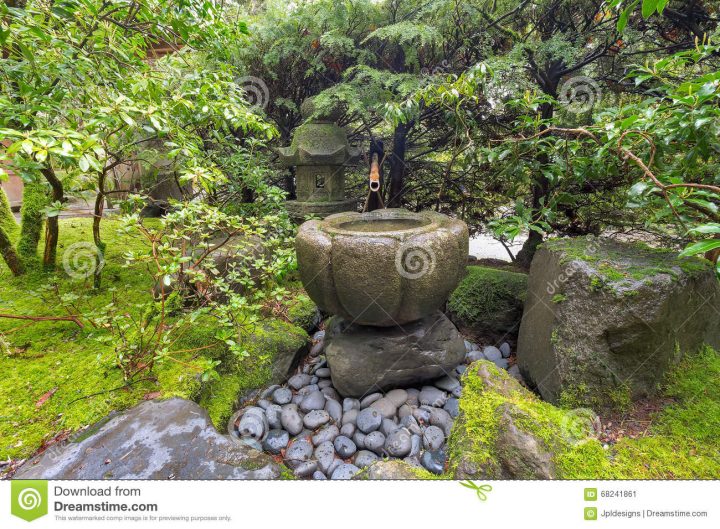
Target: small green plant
{"x":559,"y":298}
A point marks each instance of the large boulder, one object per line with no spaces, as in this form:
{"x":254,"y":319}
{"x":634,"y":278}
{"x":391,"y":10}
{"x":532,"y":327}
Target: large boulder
{"x":488,"y":302}
{"x":169,"y":439}
{"x":604,"y":320}
{"x":366,"y":359}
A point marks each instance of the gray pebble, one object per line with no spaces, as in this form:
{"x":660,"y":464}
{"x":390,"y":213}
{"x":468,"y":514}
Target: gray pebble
{"x":492,"y":353}
{"x":434,"y":461}
{"x":298,"y":452}
{"x":350,"y":404}
{"x":398,"y":443}
{"x":324,"y":383}
{"x":375,"y":441}
{"x":442,"y":419}
{"x":334,"y":408}
{"x":412,"y":399}
{"x":310,"y":388}
{"x":452,"y":406}
{"x":502,"y":363}
{"x":336,"y":463}
{"x":366,"y":401}
{"x":514,"y":371}
{"x":282,"y":396}
{"x":404,"y":411}
{"x":313,"y":401}
{"x":319,"y":476}
{"x":306,"y":469}
{"x":275,"y":441}
{"x":460,"y":370}
{"x":457,"y":392}
{"x":369,"y":420}
{"x":474,"y":356}
{"x":447,"y":383}
{"x":314,"y":380}
{"x":262,"y":403}
{"x":323,"y":372}
{"x":349,"y":417}
{"x":330,"y":393}
{"x":317,"y":348}
{"x":359,"y":439}
{"x":344,"y":446}
{"x":297,"y":399}
{"x":348,"y":430}
{"x":470,"y":346}
{"x":364,"y":458}
{"x":318,"y":336}
{"x":325,"y":456}
{"x":411,"y":424}
{"x":329,"y":433}
{"x":422,"y":415}
{"x":290,"y":419}
{"x":345,"y":471}
{"x":385,"y":406}
{"x":253,"y":423}
{"x":505,"y":349}
{"x":273,"y":416}
{"x":388,"y":426}
{"x":433,"y":438}
{"x":316,"y":418}
{"x":413,"y":461}
{"x":298,"y":381}
{"x":268,"y":393}
{"x":306,"y":369}
{"x":397,"y":396}
{"x":416,"y":442}
{"x":432,"y":396}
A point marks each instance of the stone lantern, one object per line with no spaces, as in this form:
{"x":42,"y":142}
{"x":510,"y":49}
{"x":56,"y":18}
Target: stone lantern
{"x":319,"y":151}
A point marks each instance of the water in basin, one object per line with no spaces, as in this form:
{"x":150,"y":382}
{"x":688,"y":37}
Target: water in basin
{"x":382,"y":225}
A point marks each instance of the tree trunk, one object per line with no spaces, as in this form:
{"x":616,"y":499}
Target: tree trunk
{"x":397,"y":165}
{"x":9,"y":254}
{"x":52,"y":231}
{"x":34,"y":201}
{"x":540,"y":191}
{"x":97,"y":217}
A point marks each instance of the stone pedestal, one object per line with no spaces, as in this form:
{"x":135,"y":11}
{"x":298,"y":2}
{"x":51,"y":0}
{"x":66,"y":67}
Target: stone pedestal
{"x":366,"y":359}
{"x":299,"y":210}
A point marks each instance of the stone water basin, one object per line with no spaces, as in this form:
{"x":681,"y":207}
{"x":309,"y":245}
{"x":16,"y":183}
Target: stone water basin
{"x":383,"y":268}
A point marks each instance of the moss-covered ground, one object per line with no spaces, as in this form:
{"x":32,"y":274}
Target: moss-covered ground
{"x":489,"y":300}
{"x":682,"y":441}
{"x":58,"y":378}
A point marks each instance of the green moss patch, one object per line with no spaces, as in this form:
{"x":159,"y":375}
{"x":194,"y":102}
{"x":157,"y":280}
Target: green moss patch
{"x":58,"y":378}
{"x":681,"y":442}
{"x":489,"y":301}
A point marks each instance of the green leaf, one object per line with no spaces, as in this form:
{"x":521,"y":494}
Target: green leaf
{"x":649,"y":7}
{"x":700,"y":247}
{"x":713,"y":227}
{"x":84,"y":163}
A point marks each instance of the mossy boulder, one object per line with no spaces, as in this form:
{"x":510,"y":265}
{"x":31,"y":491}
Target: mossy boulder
{"x":488,"y":302}
{"x":274,"y":349}
{"x":605,"y":320}
{"x":505,"y":432}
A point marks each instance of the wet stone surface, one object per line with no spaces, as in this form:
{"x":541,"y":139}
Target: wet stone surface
{"x":322,"y":435}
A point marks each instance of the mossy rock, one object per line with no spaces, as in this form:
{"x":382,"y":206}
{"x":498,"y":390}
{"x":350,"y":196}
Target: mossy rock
{"x":488,"y":302}
{"x":604,"y":320}
{"x":274,"y":348}
{"x":505,"y":431}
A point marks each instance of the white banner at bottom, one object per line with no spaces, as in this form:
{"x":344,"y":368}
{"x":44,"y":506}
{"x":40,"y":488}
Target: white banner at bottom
{"x":361,"y":504}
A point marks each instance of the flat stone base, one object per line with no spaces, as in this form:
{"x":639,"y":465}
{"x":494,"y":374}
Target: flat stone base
{"x":300,"y":210}
{"x":366,"y":359}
